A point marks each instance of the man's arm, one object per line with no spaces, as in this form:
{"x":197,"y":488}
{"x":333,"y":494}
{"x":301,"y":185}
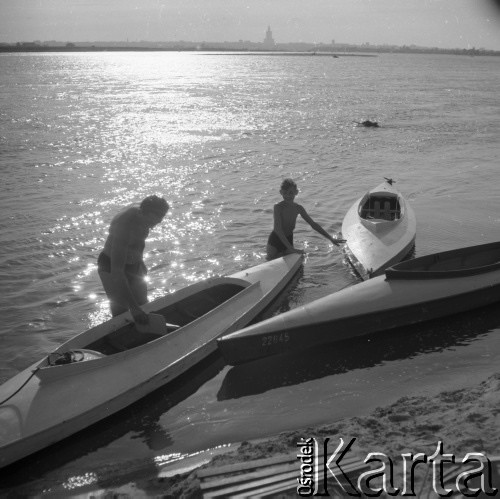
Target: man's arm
{"x":118,"y":256}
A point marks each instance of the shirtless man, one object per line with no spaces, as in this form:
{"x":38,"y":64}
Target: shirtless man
{"x":280,"y":241}
{"x":120,"y":264}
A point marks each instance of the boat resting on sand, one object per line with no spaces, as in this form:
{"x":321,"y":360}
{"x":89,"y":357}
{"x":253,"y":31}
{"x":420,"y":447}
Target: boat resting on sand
{"x":112,"y":365}
{"x":412,"y":291}
{"x":379,"y":229}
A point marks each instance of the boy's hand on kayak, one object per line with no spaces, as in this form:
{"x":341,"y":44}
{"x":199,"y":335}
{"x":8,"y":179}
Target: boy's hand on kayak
{"x":337,"y":241}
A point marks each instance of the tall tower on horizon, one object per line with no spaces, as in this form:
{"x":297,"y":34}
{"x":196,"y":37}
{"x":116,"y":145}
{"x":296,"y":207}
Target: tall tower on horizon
{"x":269,"y":40}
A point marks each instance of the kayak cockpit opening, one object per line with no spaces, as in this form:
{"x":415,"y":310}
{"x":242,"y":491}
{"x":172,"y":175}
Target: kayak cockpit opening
{"x":383,"y":206}
{"x":72,"y":356}
{"x":177,"y":314}
{"x":449,"y":264}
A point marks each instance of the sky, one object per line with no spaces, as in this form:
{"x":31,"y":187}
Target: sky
{"x":429,"y":23}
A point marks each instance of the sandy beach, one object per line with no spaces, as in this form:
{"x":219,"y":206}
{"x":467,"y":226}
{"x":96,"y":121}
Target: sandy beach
{"x":464,"y":421}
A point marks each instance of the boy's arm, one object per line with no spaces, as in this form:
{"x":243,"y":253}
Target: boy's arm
{"x":317,"y":227}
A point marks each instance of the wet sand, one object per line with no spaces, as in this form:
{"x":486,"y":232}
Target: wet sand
{"x":465,"y":421}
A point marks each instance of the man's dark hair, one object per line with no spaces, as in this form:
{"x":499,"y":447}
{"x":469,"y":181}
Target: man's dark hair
{"x":154,"y":203}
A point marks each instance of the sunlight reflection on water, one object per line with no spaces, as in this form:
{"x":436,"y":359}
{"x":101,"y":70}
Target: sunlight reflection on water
{"x":85,"y":134}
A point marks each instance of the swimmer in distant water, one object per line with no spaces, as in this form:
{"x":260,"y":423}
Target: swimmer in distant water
{"x":120,"y":264}
{"x":368,"y":123}
{"x":280,"y":241}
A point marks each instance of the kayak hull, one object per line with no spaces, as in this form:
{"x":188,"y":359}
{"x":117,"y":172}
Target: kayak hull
{"x":46,"y":403}
{"x":376,"y":238}
{"x":380,"y":303}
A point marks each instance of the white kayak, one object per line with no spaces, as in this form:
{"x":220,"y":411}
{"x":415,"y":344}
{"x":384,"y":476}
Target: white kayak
{"x":412,"y":291}
{"x":108,"y":367}
{"x":379,"y":229}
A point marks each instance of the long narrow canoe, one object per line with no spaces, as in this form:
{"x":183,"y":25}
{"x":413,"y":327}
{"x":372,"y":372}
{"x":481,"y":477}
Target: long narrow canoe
{"x":412,"y":291}
{"x":379,"y":229}
{"x":108,"y":367}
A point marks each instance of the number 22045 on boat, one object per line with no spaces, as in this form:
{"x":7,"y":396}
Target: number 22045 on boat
{"x":275,"y":338}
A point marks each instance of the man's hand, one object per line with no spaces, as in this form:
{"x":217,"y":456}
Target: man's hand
{"x":139,"y":316}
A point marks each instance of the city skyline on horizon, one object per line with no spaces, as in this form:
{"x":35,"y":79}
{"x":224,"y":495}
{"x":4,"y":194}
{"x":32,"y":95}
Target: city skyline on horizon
{"x":448,"y":24}
{"x":225,"y":45}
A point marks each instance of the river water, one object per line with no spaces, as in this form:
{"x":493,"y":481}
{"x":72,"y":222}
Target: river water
{"x":83,"y":134}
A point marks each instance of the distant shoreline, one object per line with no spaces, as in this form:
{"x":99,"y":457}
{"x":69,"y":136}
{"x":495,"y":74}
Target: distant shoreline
{"x":351,"y":51}
{"x":213,"y":51}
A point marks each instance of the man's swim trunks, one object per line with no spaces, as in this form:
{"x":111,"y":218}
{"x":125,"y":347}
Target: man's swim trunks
{"x":275,"y":241}
{"x":134,"y":269}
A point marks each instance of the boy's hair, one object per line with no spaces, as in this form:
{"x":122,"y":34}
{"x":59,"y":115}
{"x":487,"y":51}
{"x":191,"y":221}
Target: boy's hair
{"x":154,"y":203}
{"x":288,"y":183}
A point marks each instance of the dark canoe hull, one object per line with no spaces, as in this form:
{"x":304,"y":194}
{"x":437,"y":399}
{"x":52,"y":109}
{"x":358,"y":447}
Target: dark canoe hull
{"x":381,"y":303}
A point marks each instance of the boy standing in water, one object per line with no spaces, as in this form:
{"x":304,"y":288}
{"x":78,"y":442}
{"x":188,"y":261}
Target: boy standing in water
{"x":120,"y":264}
{"x":280,"y":241}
